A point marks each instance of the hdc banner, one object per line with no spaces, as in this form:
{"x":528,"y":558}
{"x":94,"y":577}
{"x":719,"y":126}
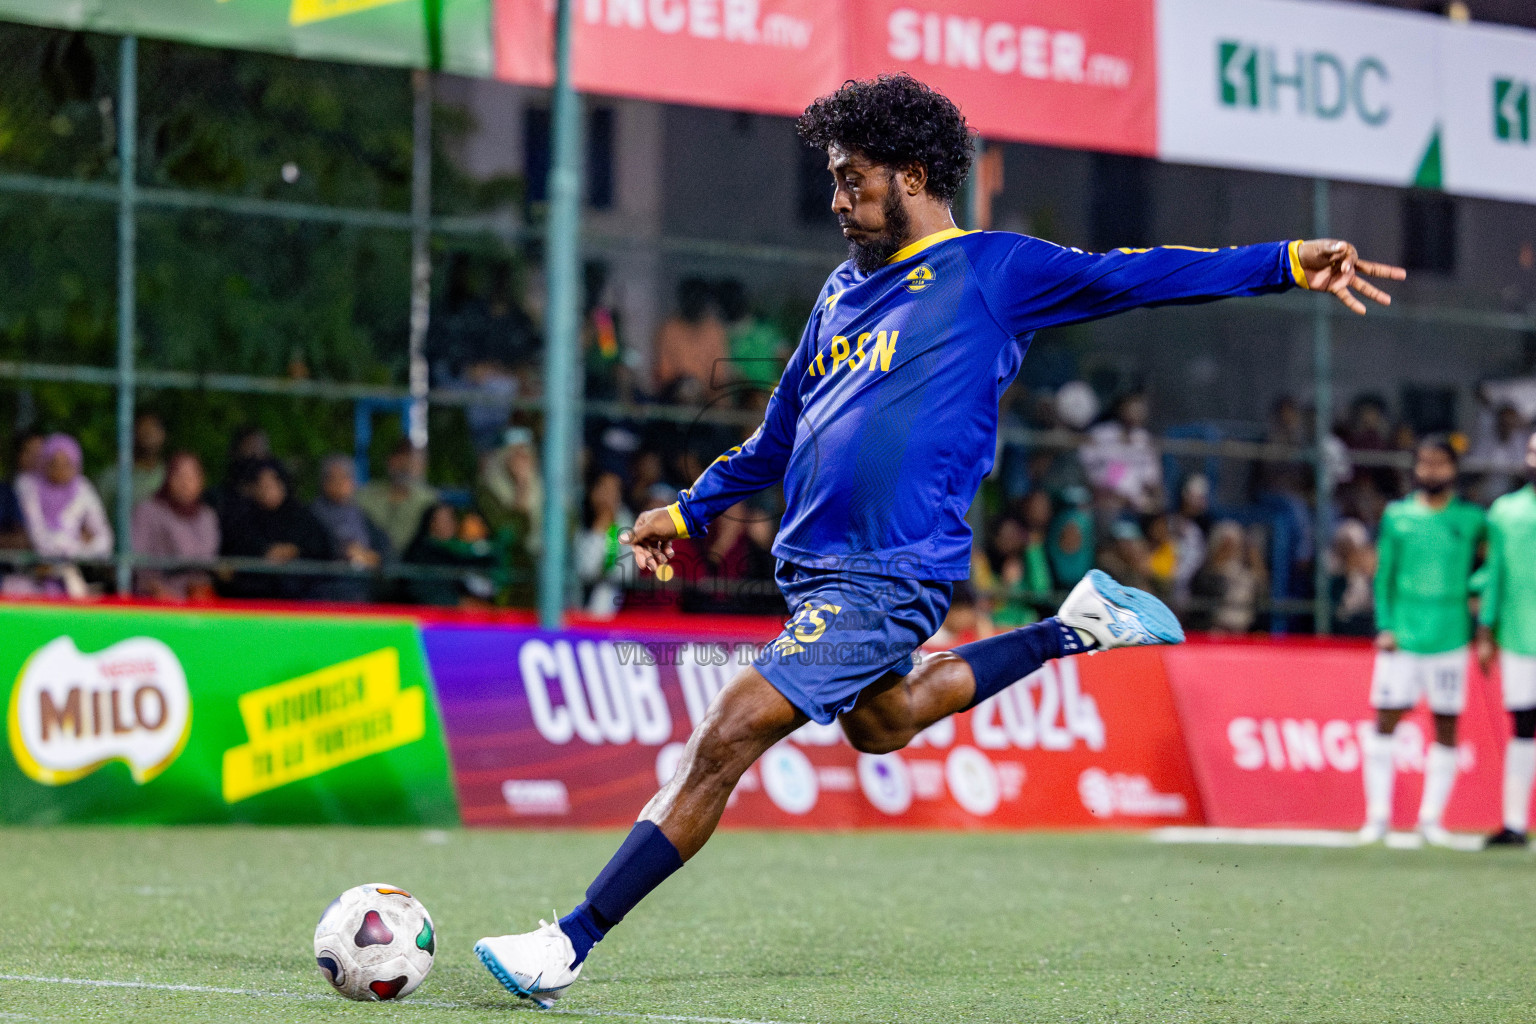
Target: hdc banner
{"x":174,"y":717}
{"x":581,"y":728}
{"x":1274,"y":736}
{"x":1488,"y":78}
{"x":1340,"y":91}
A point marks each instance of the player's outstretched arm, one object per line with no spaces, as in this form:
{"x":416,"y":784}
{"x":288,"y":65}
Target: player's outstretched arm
{"x":1333,"y":265}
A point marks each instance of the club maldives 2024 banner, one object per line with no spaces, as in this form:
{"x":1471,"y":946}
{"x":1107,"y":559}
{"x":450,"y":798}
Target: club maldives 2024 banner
{"x":140,"y":715}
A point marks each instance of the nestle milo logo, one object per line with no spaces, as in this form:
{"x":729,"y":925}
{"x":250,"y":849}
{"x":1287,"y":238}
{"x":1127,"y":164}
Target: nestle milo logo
{"x":1512,"y":110}
{"x":1308,"y":83}
{"x":71,"y":712}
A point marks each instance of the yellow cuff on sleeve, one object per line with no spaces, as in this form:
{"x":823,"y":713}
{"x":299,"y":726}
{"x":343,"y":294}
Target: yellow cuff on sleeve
{"x":1299,"y":275}
{"x":677,"y":519}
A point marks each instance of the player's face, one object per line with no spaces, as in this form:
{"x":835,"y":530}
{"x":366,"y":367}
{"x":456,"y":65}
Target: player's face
{"x":868,"y":203}
{"x":1433,"y":469}
{"x":1530,"y":459}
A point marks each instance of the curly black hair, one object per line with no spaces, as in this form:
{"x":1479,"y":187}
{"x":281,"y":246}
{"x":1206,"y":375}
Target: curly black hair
{"x":897,"y":121}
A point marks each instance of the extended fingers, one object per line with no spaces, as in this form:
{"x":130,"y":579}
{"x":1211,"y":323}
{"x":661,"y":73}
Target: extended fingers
{"x":1370,"y":291}
{"x":1344,"y":295}
{"x":1383,"y":270}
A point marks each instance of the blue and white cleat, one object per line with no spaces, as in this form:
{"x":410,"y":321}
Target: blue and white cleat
{"x":535,"y":965}
{"x":1117,"y":616}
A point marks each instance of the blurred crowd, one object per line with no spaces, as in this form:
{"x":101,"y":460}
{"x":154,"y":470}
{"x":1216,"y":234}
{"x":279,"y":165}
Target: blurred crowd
{"x":1080,"y":481}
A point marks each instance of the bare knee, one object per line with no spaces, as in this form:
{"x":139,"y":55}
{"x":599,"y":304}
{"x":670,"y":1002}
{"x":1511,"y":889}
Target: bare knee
{"x":1445,"y":730}
{"x":869,"y":736}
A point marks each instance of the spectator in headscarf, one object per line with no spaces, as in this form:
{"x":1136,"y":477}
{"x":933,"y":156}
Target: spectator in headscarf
{"x":270,"y":524}
{"x":1232,"y":580}
{"x":175,"y":522}
{"x":510,"y":494}
{"x":353,"y":537}
{"x":62,"y":512}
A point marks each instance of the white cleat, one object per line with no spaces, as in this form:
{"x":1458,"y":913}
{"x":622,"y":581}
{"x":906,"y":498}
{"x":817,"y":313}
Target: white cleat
{"x":1435,"y":834}
{"x":1117,"y":616}
{"x":535,"y":965}
{"x":1371,"y":832}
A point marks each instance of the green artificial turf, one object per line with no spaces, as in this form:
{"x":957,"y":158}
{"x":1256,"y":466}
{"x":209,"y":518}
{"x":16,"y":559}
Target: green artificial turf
{"x":784,"y":927}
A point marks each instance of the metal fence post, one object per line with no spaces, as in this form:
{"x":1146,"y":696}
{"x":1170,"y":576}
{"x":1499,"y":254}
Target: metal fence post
{"x":562,"y":259}
{"x":421,"y":254}
{"x":1322,"y":399}
{"x":127,"y":237}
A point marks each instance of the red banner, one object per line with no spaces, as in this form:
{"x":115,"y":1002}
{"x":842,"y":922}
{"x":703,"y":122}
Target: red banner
{"x":1079,"y":75}
{"x":769,"y":56}
{"x":581,"y":728}
{"x":1274,"y":736}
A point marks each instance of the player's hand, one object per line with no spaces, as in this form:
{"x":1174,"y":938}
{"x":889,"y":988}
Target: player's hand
{"x":1486,"y":649}
{"x":1332,"y":265}
{"x":1386,"y":641}
{"x":651,"y":539}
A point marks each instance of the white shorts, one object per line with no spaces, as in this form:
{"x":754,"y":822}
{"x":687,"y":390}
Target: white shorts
{"x":1517,"y":675}
{"x":1402,"y":679}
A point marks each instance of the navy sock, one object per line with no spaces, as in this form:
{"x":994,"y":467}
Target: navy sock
{"x":646,"y":859}
{"x":1000,"y":661}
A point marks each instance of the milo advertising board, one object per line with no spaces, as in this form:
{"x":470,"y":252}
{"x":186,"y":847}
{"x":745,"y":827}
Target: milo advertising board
{"x":142,"y":716}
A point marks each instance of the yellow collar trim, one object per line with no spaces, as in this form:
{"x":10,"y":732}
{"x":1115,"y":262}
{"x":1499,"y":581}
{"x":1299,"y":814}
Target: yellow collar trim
{"x":924,"y":243}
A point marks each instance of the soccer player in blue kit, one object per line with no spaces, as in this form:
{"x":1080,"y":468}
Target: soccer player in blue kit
{"x":881,"y":430}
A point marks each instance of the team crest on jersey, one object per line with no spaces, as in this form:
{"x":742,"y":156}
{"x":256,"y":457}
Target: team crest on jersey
{"x":918,"y":278}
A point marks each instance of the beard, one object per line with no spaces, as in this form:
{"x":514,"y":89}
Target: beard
{"x":1435,"y":487}
{"x":870,"y":256}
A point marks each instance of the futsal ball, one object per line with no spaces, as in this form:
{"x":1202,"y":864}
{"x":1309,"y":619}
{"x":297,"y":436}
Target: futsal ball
{"x":375,"y":942}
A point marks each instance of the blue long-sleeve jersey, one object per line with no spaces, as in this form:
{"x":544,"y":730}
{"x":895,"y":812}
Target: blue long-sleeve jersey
{"x":885,"y":421}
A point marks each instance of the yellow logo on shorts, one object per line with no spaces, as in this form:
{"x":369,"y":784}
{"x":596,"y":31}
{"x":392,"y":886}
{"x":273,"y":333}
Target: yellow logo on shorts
{"x":805,"y":627}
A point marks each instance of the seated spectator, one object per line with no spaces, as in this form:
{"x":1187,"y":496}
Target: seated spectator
{"x":63,"y":515}
{"x":1351,"y":578}
{"x":1189,"y":525}
{"x":758,"y":349}
{"x":175,"y":522}
{"x":354,"y":538}
{"x":1498,"y":452}
{"x":510,"y":493}
{"x":149,"y":467}
{"x":1127,"y":557}
{"x":691,"y":343}
{"x":1231,"y":581}
{"x":13,"y":530}
{"x":249,"y":446}
{"x":1069,"y":545}
{"x":598,"y":553}
{"x":397,"y":503}
{"x":270,"y":524}
{"x":1162,"y":554}
{"x":438,"y":543}
{"x":1120,"y":458}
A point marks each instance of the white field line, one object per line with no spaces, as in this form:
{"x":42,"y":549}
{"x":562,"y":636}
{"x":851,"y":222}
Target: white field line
{"x":446,"y":1004}
{"x":1297,"y":837}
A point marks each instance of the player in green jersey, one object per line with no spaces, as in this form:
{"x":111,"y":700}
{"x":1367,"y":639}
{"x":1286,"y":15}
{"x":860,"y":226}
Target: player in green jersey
{"x":1427,"y":546}
{"x":1507,"y":625}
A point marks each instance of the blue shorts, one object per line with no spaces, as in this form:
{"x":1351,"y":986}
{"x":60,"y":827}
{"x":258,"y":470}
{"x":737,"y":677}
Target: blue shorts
{"x":845,"y":631}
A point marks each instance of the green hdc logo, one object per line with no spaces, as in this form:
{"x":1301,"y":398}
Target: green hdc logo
{"x":1316,"y":84}
{"x":1512,"y":110}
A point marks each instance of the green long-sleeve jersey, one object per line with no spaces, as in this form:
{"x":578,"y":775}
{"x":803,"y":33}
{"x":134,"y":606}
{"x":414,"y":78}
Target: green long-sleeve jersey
{"x":1509,"y":599}
{"x":1425,"y":564}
